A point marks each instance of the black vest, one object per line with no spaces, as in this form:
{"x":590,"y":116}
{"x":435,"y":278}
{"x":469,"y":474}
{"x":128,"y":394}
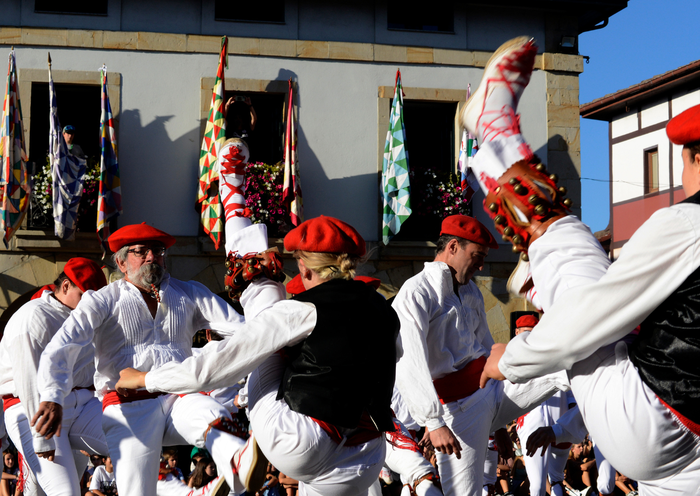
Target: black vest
{"x":667,"y":350}
{"x":347,"y":365}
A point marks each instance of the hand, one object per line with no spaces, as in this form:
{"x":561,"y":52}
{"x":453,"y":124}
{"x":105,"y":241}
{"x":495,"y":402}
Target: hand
{"x":130,"y":379}
{"x":445,"y":442}
{"x":47,"y":419}
{"x":425,"y":443}
{"x":491,"y":370}
{"x":248,"y":102}
{"x":229,"y":102}
{"x":49,"y":455}
{"x":541,"y":438}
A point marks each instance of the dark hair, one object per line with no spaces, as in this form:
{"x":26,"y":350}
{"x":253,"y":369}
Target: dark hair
{"x":444,"y":240}
{"x":694,"y":148}
{"x":199,"y":475}
{"x":59,"y":280}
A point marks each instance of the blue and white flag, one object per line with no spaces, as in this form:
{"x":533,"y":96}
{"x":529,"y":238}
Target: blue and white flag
{"x":68,"y":173}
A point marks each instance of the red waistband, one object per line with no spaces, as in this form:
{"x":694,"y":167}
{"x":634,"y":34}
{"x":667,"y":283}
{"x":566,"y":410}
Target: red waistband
{"x":692,"y":426}
{"x":460,"y":384}
{"x":114,"y":398}
{"x":364,"y":433}
{"x":9,"y":400}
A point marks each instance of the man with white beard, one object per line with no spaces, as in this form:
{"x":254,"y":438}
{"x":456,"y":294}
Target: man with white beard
{"x":145,"y":320}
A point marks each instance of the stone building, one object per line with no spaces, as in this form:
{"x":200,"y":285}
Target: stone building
{"x":342,"y":56}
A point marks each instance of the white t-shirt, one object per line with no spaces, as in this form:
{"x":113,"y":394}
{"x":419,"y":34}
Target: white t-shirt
{"x":103,"y":481}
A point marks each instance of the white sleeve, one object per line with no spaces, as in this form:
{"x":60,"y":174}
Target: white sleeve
{"x":55,"y":376}
{"x":223,"y":363}
{"x":654,"y":262}
{"x":570,"y":427}
{"x":214,"y":313}
{"x":412,"y":372}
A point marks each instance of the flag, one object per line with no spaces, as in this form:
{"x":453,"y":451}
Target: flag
{"x":396,"y":188}
{"x":15,"y":188}
{"x":467,"y":150}
{"x":67,"y":171}
{"x":214,"y":139}
{"x":109,"y":200}
{"x":291,"y":193}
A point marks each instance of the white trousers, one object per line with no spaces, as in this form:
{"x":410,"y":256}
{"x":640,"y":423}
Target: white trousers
{"x":136,"y":431}
{"x":410,"y":465}
{"x":539,"y":467}
{"x":298,"y":447}
{"x":81,"y":429}
{"x":635,"y":432}
{"x":606,"y":473}
{"x":472,"y":419}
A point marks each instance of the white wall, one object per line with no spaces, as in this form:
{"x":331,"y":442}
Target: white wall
{"x":628,"y":165}
{"x":624,"y":124}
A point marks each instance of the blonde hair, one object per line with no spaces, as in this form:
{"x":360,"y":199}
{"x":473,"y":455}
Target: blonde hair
{"x":330,"y":265}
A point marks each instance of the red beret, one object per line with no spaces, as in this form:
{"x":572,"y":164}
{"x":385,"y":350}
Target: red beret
{"x":685,"y":127}
{"x":325,"y":235}
{"x":138,"y":233}
{"x":295,"y":286}
{"x":85,"y":274}
{"x":527,"y":321}
{"x":468,"y":228}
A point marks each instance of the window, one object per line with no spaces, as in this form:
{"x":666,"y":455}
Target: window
{"x":79,"y":106}
{"x":270,"y":11}
{"x":438,"y":18}
{"x":84,"y":7}
{"x":651,"y":170}
{"x":430,"y":144}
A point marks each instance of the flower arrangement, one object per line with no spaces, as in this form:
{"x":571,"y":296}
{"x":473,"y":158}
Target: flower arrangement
{"x":264,"y":196}
{"x":436,"y":193}
{"x":42,"y":191}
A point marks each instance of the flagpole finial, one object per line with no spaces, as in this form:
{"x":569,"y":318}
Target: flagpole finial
{"x":49,"y":58}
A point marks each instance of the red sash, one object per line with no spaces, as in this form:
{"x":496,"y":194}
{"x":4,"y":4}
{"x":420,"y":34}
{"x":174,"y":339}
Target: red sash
{"x":9,"y":400}
{"x":460,"y":384}
{"x":692,"y":426}
{"x":365,"y":432}
{"x":114,"y":398}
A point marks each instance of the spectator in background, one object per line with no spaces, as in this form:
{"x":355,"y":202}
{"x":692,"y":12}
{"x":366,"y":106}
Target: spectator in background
{"x":10,"y":470}
{"x":103,"y":483}
{"x":578,"y":480}
{"x":170,"y":459}
{"x":73,"y":148}
{"x":203,"y":474}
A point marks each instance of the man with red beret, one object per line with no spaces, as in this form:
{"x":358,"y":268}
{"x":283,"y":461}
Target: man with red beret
{"x":639,"y":395}
{"x":26,"y":335}
{"x":144,"y":320}
{"x":446,"y":341}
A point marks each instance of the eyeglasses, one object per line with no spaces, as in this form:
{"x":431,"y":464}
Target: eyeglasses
{"x":158,"y":251}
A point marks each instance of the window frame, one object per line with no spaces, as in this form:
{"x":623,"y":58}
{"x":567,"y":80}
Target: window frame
{"x":649,"y":187}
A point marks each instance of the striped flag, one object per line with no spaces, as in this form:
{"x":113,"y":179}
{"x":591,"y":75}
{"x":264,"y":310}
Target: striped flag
{"x":15,"y":187}
{"x":291,"y":194}
{"x":213,"y":141}
{"x":109,"y":200}
{"x":67,"y":171}
{"x":467,"y":150}
{"x":396,"y":188}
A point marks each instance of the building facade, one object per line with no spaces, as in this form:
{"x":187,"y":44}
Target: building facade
{"x":645,"y":167}
{"x":342,"y":58}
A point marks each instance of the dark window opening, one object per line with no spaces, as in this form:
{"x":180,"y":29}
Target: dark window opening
{"x":84,"y":7}
{"x":430,"y":144}
{"x":269,"y":11}
{"x":651,"y":171}
{"x":266,"y":141}
{"x":80,"y":106}
{"x":437,"y":18}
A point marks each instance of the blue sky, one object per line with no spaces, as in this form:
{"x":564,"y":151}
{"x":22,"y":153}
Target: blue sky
{"x":643,"y":40}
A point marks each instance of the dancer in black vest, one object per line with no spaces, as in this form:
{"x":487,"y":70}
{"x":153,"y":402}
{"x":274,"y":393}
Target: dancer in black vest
{"x":319,"y":407}
{"x":641,"y":407}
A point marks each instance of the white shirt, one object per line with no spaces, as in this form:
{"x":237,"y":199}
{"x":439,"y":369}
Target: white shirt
{"x":656,"y":260}
{"x":102,"y":480}
{"x":26,"y":336}
{"x":222,"y":363}
{"x":117,"y":320}
{"x":441,"y":332}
